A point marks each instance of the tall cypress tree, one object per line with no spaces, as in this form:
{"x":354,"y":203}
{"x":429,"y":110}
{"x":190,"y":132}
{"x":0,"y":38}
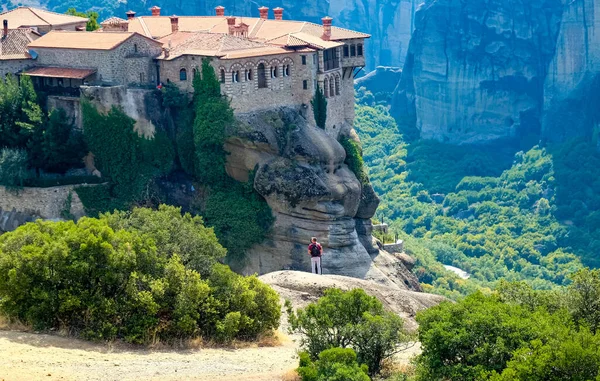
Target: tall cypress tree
{"x":319,"y":104}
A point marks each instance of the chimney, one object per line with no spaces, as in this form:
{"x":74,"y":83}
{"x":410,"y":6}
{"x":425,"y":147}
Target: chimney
{"x":278,"y":13}
{"x":5,"y":30}
{"x":174,"y":23}
{"x":326,"y":28}
{"x":220,"y":11}
{"x":264,"y":12}
{"x":130,"y":15}
{"x":155,"y":11}
{"x":231,"y":24}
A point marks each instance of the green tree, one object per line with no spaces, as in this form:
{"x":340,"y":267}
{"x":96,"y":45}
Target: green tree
{"x":56,"y":146}
{"x":13,"y":167}
{"x":319,"y":105}
{"x":568,"y":355}
{"x":92,"y":17}
{"x":583,"y":297}
{"x":335,"y":364}
{"x":20,"y":112}
{"x":477,"y":336}
{"x":213,"y":115}
{"x":173,"y":234}
{"x":126,"y":281}
{"x":349,"y":319}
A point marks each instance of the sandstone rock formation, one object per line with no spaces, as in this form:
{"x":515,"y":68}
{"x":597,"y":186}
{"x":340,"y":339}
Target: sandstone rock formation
{"x":300,"y":171}
{"x":475,"y":70}
{"x":303,"y":288}
{"x":572,"y":87}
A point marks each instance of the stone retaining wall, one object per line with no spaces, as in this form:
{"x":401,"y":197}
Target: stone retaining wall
{"x":27,"y":204}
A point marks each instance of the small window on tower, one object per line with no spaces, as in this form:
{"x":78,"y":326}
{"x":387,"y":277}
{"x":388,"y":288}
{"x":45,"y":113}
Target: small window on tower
{"x":222,"y":76}
{"x":303,"y":60}
{"x":135,"y":50}
{"x":183,"y":75}
{"x":305,"y":84}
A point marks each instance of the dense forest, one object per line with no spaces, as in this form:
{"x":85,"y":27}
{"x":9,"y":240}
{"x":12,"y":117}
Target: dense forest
{"x":504,"y":212}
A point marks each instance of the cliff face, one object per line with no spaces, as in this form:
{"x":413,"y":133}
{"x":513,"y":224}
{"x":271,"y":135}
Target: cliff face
{"x":475,"y":69}
{"x":300,"y":171}
{"x":572,"y":87}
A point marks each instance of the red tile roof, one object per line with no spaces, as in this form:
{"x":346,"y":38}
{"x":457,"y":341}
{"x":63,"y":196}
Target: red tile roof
{"x":59,"y":72}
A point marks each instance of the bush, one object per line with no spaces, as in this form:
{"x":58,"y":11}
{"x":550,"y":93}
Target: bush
{"x":335,"y":364}
{"x":13,"y":167}
{"x":173,"y":233}
{"x":350,"y":319}
{"x":110,"y":278}
{"x":354,"y":159}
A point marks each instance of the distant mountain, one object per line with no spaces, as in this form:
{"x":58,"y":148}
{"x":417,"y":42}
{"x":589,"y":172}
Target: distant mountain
{"x":390,"y":22}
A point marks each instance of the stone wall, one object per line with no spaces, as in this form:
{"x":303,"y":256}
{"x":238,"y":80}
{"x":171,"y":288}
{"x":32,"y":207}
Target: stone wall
{"x":44,"y":203}
{"x":120,"y":66}
{"x":14,"y":66}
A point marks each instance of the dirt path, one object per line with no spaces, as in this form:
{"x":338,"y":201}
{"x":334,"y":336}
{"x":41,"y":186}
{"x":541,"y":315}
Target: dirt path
{"x":30,"y":357}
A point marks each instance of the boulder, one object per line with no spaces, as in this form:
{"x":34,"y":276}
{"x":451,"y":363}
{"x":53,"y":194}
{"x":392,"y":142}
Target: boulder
{"x":302,"y":288}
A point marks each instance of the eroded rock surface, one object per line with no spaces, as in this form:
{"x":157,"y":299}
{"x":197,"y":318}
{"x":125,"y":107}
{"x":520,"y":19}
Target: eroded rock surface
{"x":300,"y":171}
{"x":303,"y":288}
{"x":475,"y":69}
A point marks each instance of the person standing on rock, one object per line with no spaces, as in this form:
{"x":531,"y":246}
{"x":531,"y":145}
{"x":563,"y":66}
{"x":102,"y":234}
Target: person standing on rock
{"x":315,"y":250}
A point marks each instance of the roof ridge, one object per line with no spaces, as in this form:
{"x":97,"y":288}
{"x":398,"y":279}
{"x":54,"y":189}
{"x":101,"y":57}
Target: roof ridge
{"x":38,"y":16}
{"x":54,"y":13}
{"x":145,"y":28}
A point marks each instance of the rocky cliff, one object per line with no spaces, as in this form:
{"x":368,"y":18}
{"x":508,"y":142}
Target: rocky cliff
{"x":300,"y":171}
{"x":572,"y":87}
{"x":390,"y":22}
{"x":475,"y":69}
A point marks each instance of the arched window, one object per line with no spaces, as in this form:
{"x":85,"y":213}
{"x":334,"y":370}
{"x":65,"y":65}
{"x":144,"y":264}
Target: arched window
{"x":235,"y":76}
{"x":183,"y":75}
{"x":326,"y":87}
{"x":337,"y":85}
{"x":359,"y":50}
{"x":273,"y":71}
{"x":286,"y":70}
{"x":262,"y":77}
{"x":195,"y":72}
{"x":331,"y":87}
{"x":222,"y":75}
{"x":248,"y":74}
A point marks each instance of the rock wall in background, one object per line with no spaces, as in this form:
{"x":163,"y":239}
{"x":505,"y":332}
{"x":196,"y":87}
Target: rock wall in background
{"x":475,"y":69}
{"x":572,"y":87}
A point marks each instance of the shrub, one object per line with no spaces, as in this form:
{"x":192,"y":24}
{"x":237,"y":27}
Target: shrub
{"x":13,"y":167}
{"x":354,"y":159}
{"x":350,"y":319}
{"x":335,"y":364}
{"x":109,"y":278}
{"x":173,"y":233}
